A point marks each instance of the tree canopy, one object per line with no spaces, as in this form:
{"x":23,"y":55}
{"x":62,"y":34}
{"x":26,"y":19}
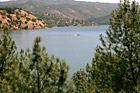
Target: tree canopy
{"x":116,"y":63}
{"x":115,"y":67}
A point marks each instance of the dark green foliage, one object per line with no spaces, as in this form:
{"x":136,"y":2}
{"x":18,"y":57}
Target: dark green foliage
{"x":3,"y":17}
{"x":15,"y":76}
{"x":40,"y":25}
{"x":49,"y":74}
{"x":14,"y":22}
{"x":8,"y":21}
{"x":20,"y":22}
{"x":5,"y":28}
{"x":26,"y":27}
{"x":34,"y":20}
{"x":115,"y":66}
{"x":10,"y":10}
{"x":0,"y":22}
{"x":10,"y":17}
{"x":18,"y":17}
{"x":26,"y":22}
{"x":81,"y":83}
{"x":7,"y":68}
{"x":5,"y":45}
{"x":17,"y":13}
{"x":30,"y":72}
{"x":19,"y":26}
{"x":28,"y":18}
{"x":2,"y":13}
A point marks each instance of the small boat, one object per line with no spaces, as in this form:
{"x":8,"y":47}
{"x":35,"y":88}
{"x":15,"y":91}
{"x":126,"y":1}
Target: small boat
{"x":77,"y":35}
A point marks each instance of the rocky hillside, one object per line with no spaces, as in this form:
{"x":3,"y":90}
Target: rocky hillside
{"x":52,"y":20}
{"x":17,"y":19}
{"x":69,"y":9}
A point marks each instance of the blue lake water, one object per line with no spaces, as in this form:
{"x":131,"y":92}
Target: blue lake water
{"x":63,"y":43}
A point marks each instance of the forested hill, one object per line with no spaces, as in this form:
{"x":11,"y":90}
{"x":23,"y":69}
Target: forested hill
{"x":17,"y":19}
{"x":12,"y":18}
{"x":67,"y":9}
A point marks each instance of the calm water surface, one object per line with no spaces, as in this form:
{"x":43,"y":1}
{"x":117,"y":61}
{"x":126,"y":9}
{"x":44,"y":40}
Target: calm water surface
{"x":62,"y":42}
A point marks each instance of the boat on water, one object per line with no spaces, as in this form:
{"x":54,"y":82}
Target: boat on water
{"x":77,"y":35}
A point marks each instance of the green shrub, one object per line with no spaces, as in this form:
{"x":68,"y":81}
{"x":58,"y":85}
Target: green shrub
{"x":26,"y":27}
{"x":34,"y":20}
{"x":17,"y":13}
{"x":28,"y":18}
{"x":10,"y":17}
{"x":26,"y":22}
{"x":10,"y":10}
{"x":16,"y":21}
{"x":0,"y":22}
{"x":2,"y":13}
{"x":20,"y":22}
{"x":19,"y":26}
{"x":8,"y":21}
{"x":5,"y":28}
{"x":3,"y":17}
{"x":18,"y":17}
{"x":40,"y":25}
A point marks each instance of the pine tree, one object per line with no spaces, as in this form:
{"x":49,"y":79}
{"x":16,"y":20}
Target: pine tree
{"x":49,"y":74}
{"x":81,"y":83}
{"x":14,"y":72}
{"x":27,"y":72}
{"x":7,"y":56}
{"x":116,"y":64}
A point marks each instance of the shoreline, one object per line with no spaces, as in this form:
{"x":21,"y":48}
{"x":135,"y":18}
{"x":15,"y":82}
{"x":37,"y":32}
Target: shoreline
{"x":49,"y":28}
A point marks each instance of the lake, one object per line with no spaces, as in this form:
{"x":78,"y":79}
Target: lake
{"x":64,"y":43}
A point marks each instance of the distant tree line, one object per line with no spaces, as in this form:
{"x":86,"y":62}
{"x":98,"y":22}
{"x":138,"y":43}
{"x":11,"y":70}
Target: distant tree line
{"x":115,"y":67}
{"x":53,"y":20}
{"x":10,"y":10}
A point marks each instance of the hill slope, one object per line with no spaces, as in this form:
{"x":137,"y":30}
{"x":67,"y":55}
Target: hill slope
{"x":52,"y":20}
{"x":17,"y":19}
{"x":69,"y":9}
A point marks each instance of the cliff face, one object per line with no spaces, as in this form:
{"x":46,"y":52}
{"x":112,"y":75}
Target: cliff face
{"x":17,"y":19}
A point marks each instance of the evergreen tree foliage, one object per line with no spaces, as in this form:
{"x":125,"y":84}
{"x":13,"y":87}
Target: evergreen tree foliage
{"x":49,"y":74}
{"x":81,"y":83}
{"x":27,"y":71}
{"x":115,"y":67}
{"x":7,"y":51}
{"x":116,"y":64}
{"x":12,"y":79}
